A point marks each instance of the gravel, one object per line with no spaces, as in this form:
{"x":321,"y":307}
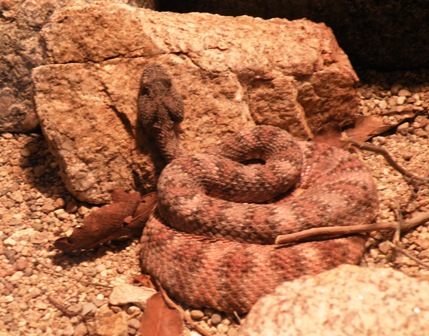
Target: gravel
{"x":36,"y":282}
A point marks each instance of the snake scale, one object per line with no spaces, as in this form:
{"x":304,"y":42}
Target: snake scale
{"x":210,"y":241}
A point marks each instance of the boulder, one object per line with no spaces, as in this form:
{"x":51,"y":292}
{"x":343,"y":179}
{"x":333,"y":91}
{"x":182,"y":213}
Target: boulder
{"x":387,"y":35}
{"x":231,"y":72}
{"x":21,"y":51}
{"x":348,"y":300}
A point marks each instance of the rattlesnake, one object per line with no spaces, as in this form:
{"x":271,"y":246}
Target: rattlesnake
{"x":210,"y":241}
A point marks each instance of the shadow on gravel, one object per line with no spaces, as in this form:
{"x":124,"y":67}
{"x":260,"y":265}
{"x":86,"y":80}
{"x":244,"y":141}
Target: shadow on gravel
{"x":41,"y":172}
{"x":40,"y":168}
{"x":69,"y":260}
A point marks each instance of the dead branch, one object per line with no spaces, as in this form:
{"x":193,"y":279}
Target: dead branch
{"x":61,"y":307}
{"x":387,"y":157}
{"x":399,"y":223}
{"x":408,"y":255}
{"x":339,"y":231}
{"x":237,"y":318}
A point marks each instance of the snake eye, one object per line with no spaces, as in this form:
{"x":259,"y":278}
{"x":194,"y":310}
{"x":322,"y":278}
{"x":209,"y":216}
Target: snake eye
{"x":144,"y":91}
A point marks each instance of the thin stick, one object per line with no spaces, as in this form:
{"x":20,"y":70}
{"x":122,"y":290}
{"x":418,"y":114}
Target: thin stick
{"x":61,"y":307}
{"x":386,"y":155}
{"x":338,"y":231}
{"x":408,"y":255}
{"x":399,"y":223}
{"x":237,"y":317}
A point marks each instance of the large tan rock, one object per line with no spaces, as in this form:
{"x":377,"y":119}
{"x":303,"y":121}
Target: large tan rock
{"x":348,"y":300}
{"x":21,"y":50}
{"x":231,"y":72}
{"x":387,"y":35}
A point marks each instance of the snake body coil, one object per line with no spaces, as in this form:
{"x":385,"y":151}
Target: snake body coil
{"x":210,"y":242}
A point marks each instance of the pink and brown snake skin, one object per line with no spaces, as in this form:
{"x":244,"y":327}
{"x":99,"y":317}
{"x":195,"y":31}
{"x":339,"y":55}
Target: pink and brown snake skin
{"x":210,"y":242}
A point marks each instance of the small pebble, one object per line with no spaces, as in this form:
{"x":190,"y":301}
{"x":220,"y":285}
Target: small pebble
{"x":75,"y":308}
{"x":385,"y":247}
{"x":401,"y":100}
{"x":403,"y":128}
{"x":98,"y":303}
{"x":59,"y":203}
{"x":197,"y":315}
{"x":208,"y":312}
{"x":41,"y":305}
{"x":21,"y":265}
{"x":382,"y":104}
{"x":132,"y":310}
{"x":88,"y":308}
{"x":222,"y":328}
{"x":216,"y":319}
{"x":134,"y":323}
{"x":404,"y":93}
{"x":232,"y":332}
{"x":407,"y":156}
{"x":80,"y":330}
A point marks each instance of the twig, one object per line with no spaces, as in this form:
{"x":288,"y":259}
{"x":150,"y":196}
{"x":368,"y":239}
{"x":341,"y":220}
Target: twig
{"x":408,"y":255}
{"x":338,"y":231}
{"x":237,"y":317}
{"x":399,"y":223}
{"x":386,"y":155}
{"x":187,"y":318}
{"x":61,"y":307}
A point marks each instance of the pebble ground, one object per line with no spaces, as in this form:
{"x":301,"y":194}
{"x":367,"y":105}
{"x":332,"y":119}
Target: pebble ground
{"x":36,"y":208}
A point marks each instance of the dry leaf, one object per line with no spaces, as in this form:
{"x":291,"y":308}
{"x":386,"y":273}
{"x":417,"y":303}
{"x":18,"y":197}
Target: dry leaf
{"x":124,"y":217}
{"x":330,"y":136}
{"x":367,"y":127}
{"x":160,"y":320}
{"x":143,"y":280}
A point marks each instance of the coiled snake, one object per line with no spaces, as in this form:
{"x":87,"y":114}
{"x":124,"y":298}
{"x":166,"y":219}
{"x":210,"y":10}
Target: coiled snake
{"x":210,"y":241}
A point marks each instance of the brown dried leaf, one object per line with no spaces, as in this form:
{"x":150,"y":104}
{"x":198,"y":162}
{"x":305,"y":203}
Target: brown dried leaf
{"x":124,"y":217}
{"x":143,"y":280}
{"x":368,"y":126}
{"x":160,"y":320}
{"x":330,"y":136}
{"x":365,"y":128}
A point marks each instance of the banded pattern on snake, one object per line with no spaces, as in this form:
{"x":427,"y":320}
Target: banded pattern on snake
{"x":210,"y":241}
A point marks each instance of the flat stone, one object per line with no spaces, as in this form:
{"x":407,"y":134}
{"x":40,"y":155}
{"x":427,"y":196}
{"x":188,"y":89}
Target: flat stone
{"x":108,"y":323}
{"x":125,"y":294}
{"x":88,"y":308}
{"x":197,"y":314}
